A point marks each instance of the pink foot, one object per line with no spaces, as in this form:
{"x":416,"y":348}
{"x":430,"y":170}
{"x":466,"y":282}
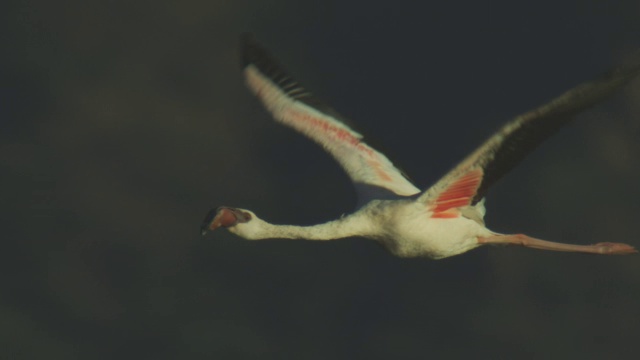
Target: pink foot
{"x":615,"y":248}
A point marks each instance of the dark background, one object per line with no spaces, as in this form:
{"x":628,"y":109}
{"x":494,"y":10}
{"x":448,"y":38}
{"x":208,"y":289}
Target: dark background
{"x":123,"y":122}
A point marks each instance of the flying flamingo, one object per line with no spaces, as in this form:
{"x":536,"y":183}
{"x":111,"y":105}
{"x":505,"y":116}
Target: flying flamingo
{"x":442,"y":221}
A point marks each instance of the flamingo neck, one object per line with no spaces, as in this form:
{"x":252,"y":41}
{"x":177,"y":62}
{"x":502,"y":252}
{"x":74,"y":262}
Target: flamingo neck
{"x":332,"y":230}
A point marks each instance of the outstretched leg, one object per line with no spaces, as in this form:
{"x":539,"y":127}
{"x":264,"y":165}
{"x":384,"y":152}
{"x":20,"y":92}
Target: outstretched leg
{"x":524,"y":240}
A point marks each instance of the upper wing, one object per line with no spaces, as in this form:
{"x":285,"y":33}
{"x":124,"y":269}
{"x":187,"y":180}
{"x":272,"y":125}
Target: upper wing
{"x":505,"y":149}
{"x":292,"y":105}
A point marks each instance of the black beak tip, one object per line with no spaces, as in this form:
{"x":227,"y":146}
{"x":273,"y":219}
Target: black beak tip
{"x":204,"y":228}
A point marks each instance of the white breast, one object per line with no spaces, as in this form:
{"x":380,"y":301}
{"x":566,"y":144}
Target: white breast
{"x":409,"y":231}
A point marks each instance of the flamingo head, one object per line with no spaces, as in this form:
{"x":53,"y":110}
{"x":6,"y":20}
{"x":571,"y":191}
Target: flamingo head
{"x":233,"y":219}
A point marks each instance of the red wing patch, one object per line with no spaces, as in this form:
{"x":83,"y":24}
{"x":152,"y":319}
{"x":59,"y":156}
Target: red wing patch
{"x":458,"y":194}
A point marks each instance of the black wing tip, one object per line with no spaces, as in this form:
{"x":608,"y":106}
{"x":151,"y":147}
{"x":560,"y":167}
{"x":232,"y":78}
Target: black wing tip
{"x":561,"y":110}
{"x":253,"y":53}
{"x":248,"y":49}
{"x":625,"y":71}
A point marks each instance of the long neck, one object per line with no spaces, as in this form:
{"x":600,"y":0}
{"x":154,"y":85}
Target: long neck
{"x":337,"y":229}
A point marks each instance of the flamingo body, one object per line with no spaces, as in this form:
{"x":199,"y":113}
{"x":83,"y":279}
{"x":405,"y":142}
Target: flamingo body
{"x":403,"y":226}
{"x":446,"y":219}
{"x":406,"y":233}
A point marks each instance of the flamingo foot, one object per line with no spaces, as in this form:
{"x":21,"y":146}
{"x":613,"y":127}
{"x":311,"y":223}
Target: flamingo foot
{"x":609,"y":248}
{"x":604,"y":248}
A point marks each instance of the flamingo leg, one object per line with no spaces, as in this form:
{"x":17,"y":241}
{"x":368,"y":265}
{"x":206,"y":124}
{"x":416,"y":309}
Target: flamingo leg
{"x":605,"y":248}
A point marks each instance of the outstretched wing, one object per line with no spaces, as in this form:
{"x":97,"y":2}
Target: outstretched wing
{"x":292,"y":105}
{"x":468,"y":182}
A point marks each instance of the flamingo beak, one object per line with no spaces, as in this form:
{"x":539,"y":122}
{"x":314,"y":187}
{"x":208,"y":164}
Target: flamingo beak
{"x":222,"y":216}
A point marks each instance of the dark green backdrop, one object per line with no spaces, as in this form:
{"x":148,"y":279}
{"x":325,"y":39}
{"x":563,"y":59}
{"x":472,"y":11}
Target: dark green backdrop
{"x":123,"y":122}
